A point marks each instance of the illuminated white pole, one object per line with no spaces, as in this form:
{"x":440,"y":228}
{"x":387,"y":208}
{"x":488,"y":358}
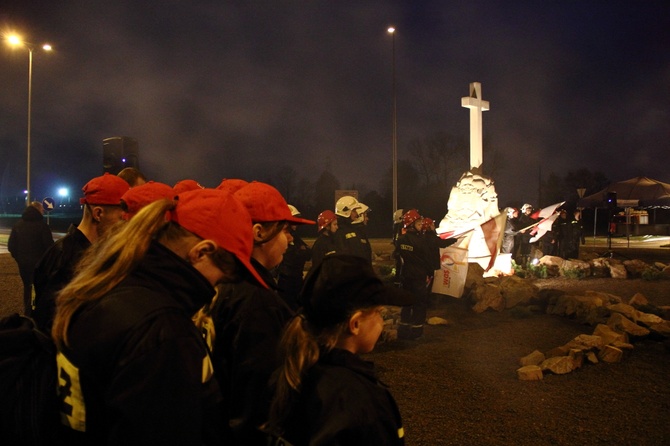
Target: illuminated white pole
{"x":394,"y":136}
{"x":15,"y":41}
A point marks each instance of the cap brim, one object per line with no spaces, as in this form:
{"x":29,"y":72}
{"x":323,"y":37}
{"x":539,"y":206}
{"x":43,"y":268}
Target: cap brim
{"x":247,"y":264}
{"x":300,"y":221}
{"x":389,"y":295}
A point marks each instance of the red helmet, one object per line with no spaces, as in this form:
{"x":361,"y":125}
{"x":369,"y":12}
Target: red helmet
{"x":427,"y":223}
{"x":324,"y":219}
{"x":410,"y":217}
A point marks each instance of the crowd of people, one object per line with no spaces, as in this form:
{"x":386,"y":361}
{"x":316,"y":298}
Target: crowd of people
{"x":181,"y":316}
{"x":563,"y":240}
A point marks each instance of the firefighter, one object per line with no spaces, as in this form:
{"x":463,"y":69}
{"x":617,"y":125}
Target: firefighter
{"x":351,"y":237}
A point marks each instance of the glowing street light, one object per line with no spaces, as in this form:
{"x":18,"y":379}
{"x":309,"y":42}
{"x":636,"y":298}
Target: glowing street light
{"x":16,"y":41}
{"x":394,"y":137}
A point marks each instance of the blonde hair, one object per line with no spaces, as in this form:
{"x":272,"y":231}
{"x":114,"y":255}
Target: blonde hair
{"x":107,"y":262}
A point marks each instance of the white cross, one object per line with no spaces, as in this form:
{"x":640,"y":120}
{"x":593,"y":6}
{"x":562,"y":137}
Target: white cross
{"x":476,"y":106}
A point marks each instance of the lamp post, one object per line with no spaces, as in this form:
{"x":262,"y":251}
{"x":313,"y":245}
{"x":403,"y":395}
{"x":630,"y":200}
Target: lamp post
{"x":394,"y":136}
{"x":15,"y":40}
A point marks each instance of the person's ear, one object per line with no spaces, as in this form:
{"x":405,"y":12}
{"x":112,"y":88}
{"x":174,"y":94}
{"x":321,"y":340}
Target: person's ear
{"x":96,"y":213}
{"x":258,"y":231}
{"x":355,"y":323}
{"x":201,"y":250}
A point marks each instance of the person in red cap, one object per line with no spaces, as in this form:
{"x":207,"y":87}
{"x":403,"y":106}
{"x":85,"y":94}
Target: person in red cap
{"x":102,"y":210}
{"x":325,"y":393}
{"x":132,"y":366}
{"x":325,"y":244}
{"x":139,"y":196}
{"x":186,"y":185}
{"x":249,"y":316}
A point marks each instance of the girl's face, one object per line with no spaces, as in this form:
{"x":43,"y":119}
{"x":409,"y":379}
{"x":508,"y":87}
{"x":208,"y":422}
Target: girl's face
{"x":271,"y":253}
{"x":371,"y":327}
{"x":332,"y":227}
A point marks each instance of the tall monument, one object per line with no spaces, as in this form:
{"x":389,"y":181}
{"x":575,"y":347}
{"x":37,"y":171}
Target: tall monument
{"x":474,"y":199}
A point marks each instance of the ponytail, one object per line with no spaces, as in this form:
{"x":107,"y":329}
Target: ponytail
{"x":108,"y":262}
{"x":301,"y":347}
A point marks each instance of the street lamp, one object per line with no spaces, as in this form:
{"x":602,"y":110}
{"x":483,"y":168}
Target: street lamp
{"x":15,"y":40}
{"x":394,"y":137}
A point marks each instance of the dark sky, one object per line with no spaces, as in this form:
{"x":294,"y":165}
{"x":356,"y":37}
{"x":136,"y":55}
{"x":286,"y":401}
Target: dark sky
{"x":219,"y":89}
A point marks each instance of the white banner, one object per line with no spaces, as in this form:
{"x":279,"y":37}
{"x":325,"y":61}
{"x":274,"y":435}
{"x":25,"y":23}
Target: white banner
{"x":450,"y":279}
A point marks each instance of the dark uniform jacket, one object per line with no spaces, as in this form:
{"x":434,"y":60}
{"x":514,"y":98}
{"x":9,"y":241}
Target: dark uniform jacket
{"x":324,"y":245}
{"x":352,"y":240}
{"x":419,"y":260}
{"x":137,"y":370}
{"x":30,"y":238}
{"x":53,"y":272}
{"x":290,"y":270}
{"x":248,"y":322}
{"x":342,"y":402}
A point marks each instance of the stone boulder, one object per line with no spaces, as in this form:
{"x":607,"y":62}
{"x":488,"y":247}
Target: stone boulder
{"x":635,"y":267}
{"x":553,"y":265}
{"x":487,"y":296}
{"x":517,"y":291}
{"x":638,"y":299}
{"x":617,"y":269}
{"x":622,"y":324}
{"x":599,"y":267}
{"x":608,"y":335}
{"x":576,"y":268}
{"x":535,"y":358}
{"x":587,"y":309}
{"x":530,"y":373}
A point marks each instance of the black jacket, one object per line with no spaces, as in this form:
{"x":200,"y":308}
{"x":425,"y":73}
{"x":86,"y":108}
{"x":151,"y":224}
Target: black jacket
{"x":248,"y":322}
{"x":342,"y":402}
{"x":352,"y":239}
{"x":30,"y":238}
{"x":324,"y":245}
{"x":144,"y":370}
{"x":418,"y":257}
{"x":53,"y":272}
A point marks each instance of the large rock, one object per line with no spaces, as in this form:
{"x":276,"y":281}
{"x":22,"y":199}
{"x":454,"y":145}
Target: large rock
{"x":610,"y":354}
{"x":627,"y":310}
{"x":530,"y":373}
{"x":487,"y":296}
{"x":517,"y":291}
{"x":617,"y":269}
{"x":587,"y":309}
{"x":553,"y":264}
{"x":661,"y":330}
{"x":618,"y":322}
{"x":473,"y":278}
{"x":585,"y":342}
{"x":606,"y":298}
{"x":576,"y":268}
{"x":608,"y":335}
{"x":638,"y":299}
{"x":599,"y":267}
{"x":635,"y":267}
{"x":559,"y":365}
{"x":535,"y":358}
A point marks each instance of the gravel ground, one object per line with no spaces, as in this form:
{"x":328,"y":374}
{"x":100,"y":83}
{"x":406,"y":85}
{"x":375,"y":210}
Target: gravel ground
{"x":458,"y":385}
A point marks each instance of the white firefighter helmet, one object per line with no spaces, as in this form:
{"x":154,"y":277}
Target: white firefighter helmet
{"x":397,"y":216}
{"x":345,"y":205}
{"x":294,"y":210}
{"x":525,"y":207}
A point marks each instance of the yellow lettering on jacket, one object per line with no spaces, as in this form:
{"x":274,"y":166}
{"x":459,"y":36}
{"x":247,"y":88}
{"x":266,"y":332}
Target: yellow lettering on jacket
{"x":350,"y":235}
{"x":72,"y":405}
{"x":407,"y":247}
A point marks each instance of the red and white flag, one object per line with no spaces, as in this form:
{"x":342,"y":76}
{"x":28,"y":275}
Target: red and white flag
{"x":548,"y":215}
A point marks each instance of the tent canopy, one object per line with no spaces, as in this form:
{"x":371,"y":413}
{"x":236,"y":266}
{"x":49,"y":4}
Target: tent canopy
{"x":636,"y":192}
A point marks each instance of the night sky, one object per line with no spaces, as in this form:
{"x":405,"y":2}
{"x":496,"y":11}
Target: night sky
{"x":224,"y":89}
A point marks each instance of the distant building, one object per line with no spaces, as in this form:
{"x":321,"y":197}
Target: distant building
{"x":118,"y":153}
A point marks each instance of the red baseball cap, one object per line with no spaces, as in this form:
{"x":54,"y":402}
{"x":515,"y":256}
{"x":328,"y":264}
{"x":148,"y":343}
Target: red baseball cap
{"x":217,"y":215}
{"x":105,"y":190}
{"x":186,"y":185}
{"x":266,"y":204}
{"x":231,"y":185}
{"x":139,"y":196}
